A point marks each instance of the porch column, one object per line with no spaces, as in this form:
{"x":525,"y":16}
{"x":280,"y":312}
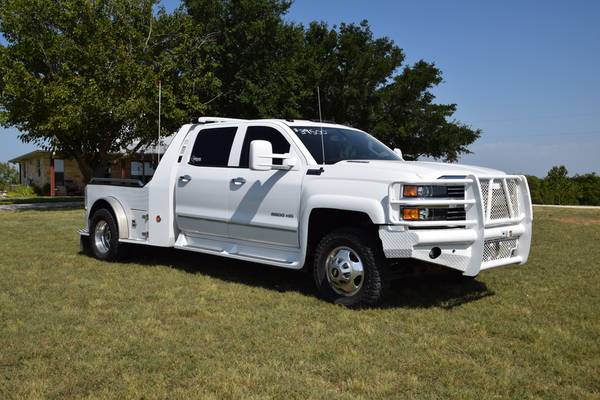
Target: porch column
{"x":52,"y":176}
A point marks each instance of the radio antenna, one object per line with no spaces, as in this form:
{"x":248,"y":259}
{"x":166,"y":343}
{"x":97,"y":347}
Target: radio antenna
{"x":321,"y":122}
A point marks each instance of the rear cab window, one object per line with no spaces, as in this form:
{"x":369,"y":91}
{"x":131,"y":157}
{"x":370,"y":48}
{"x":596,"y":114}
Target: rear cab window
{"x":212,"y":147}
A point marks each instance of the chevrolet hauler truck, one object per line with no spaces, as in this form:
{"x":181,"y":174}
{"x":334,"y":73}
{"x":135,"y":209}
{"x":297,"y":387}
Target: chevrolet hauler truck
{"x":295,"y":193}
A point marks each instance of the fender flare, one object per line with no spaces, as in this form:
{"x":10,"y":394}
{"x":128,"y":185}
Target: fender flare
{"x":119,"y":213}
{"x":372,"y":208}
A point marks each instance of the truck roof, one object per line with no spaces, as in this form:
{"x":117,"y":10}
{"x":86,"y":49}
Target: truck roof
{"x":288,"y":122}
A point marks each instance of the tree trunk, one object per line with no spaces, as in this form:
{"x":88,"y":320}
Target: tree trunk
{"x":85,"y":167}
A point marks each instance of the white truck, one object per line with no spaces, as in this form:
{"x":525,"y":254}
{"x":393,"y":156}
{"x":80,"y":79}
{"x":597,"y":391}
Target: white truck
{"x":294,"y":193}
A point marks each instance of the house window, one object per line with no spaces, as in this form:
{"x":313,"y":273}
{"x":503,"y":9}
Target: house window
{"x":142,"y":170}
{"x":39,"y":167}
{"x":59,"y":172}
{"x":148,"y":168}
{"x":137,"y":169}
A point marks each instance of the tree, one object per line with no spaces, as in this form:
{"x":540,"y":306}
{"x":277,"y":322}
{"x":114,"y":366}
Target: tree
{"x":257,"y":52}
{"x":9,"y":175}
{"x":559,"y":189}
{"x":409,"y":119}
{"x":272,"y":68}
{"x":81,"y":76}
{"x":588,"y":189}
{"x":535,"y":189}
{"x":350,"y":67}
{"x":360,"y":86}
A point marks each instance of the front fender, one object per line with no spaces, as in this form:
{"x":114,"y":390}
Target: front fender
{"x":370,"y":207}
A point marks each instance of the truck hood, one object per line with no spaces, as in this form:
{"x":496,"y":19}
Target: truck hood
{"x":399,"y":170}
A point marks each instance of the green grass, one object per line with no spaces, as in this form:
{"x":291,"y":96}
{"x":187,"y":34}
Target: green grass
{"x":170,"y":324}
{"x":39,"y":199}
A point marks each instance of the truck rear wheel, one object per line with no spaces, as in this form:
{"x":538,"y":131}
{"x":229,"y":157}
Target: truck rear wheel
{"x":104,"y":235}
{"x":349,"y":268}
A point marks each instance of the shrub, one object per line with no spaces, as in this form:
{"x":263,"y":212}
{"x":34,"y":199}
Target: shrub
{"x":22,"y":191}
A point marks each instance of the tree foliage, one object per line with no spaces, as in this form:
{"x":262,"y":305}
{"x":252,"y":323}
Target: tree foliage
{"x":256,"y":52}
{"x":81,"y":75}
{"x":350,"y":67}
{"x":9,"y":175}
{"x":558,"y":188}
{"x":272,"y":68}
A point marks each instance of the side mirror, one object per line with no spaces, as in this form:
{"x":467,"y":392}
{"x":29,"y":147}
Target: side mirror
{"x":399,"y":152}
{"x":261,"y":153}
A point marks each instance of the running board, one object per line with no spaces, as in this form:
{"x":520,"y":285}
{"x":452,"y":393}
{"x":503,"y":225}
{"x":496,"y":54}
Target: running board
{"x":260,"y":253}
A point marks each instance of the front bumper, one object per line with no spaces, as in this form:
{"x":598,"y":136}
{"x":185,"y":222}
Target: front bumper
{"x":486,"y":239}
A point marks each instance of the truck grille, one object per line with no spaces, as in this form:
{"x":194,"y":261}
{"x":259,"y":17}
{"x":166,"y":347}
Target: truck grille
{"x":447,"y":214}
{"x":502,"y":204}
{"x":498,"y":249}
{"x":456,"y":192}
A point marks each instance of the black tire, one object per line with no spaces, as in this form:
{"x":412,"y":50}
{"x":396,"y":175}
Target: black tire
{"x":106,"y":249}
{"x":369,"y":253}
{"x":85,"y":246}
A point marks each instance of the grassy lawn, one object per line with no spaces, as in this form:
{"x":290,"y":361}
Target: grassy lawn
{"x":39,"y":199}
{"x":169,"y":324}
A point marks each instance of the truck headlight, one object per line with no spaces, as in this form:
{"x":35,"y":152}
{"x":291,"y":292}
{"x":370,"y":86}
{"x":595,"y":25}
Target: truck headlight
{"x":433,"y":213}
{"x":418,"y":191}
{"x":415,"y":214}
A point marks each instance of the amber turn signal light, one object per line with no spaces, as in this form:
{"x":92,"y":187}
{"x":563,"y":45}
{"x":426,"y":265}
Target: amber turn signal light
{"x":410,"y":191}
{"x":410,"y":214}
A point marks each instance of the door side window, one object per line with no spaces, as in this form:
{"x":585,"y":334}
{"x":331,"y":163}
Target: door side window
{"x":272,"y":135}
{"x":212,"y":147}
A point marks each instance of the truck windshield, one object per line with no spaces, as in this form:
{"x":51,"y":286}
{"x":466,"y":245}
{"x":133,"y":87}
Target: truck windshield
{"x":342,"y":144}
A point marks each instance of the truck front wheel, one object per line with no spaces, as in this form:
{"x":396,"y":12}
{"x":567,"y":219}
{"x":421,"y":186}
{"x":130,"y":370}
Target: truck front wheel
{"x":349,"y":268}
{"x":104,"y":235}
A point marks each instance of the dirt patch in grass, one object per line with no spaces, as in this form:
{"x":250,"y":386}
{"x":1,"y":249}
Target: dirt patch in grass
{"x":579,"y":221}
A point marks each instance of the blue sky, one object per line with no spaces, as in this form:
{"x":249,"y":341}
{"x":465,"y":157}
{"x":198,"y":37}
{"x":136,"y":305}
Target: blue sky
{"x":525,"y":72}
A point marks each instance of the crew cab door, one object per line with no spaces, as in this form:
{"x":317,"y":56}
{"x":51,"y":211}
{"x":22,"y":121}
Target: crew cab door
{"x":265,"y":205}
{"x":202,"y":188}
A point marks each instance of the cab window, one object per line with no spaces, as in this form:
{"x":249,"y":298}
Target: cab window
{"x":212,"y":147}
{"x":272,"y":135}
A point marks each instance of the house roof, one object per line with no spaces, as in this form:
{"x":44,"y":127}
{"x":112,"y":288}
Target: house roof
{"x":150,"y":149}
{"x":28,"y":156}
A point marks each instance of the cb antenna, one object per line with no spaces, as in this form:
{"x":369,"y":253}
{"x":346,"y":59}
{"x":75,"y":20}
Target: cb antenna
{"x":321,"y":122}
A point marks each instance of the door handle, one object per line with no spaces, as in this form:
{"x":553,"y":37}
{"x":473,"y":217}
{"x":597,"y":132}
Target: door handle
{"x":185,"y":178}
{"x":238,"y":181}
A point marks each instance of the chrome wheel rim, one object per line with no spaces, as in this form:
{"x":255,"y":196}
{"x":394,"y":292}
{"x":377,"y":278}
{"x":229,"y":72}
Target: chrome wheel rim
{"x":344,"y":270}
{"x":102,"y":237}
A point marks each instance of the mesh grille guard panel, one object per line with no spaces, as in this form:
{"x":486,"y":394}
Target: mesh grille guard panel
{"x":500,"y":198}
{"x":498,"y":249}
